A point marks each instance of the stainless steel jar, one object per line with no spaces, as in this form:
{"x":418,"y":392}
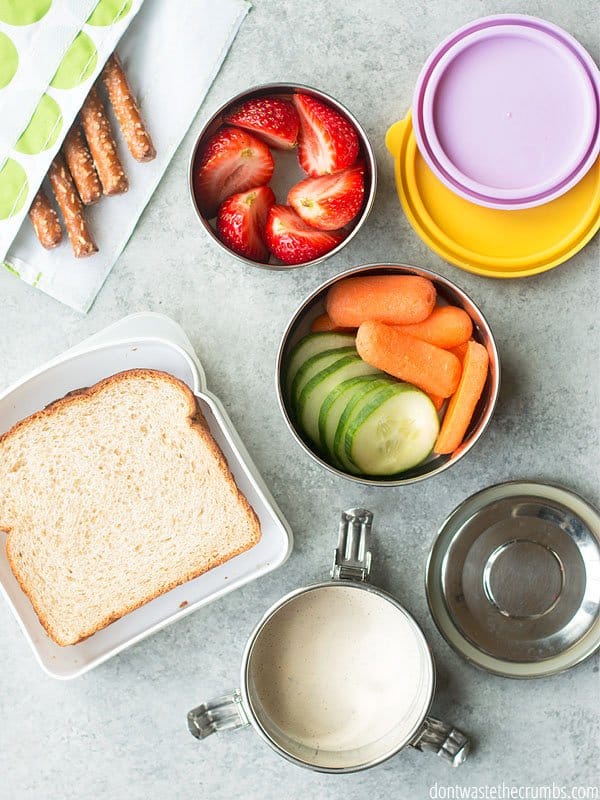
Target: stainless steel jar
{"x":245,"y":706}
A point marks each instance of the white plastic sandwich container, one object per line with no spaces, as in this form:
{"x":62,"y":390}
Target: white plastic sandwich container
{"x":156,"y":342}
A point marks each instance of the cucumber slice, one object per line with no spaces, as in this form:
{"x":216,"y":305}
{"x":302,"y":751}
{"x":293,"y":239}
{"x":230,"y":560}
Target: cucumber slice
{"x":333,"y":407}
{"x":311,"y":345}
{"x":320,"y":385}
{"x":356,"y":402}
{"x":312,"y":367}
{"x":393,"y":432}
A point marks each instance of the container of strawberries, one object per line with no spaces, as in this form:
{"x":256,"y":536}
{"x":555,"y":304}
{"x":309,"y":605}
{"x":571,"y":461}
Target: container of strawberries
{"x":282,"y":176}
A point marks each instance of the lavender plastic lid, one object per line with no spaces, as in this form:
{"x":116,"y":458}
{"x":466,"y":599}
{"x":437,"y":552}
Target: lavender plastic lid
{"x":506,"y":111}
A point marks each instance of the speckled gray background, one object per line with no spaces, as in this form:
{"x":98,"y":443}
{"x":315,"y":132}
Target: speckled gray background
{"x":119,"y":732}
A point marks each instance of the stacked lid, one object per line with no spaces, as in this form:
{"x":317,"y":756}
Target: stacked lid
{"x":513,"y":579}
{"x":498,"y":168}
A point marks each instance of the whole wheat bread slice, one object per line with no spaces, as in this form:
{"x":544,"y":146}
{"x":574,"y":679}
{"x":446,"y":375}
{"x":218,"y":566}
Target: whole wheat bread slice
{"x":114,"y":495}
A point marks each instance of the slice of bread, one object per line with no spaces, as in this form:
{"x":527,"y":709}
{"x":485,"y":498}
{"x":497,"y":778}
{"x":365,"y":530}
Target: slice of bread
{"x":114,"y":495}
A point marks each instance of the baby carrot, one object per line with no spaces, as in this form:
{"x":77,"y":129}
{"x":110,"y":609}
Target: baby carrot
{"x":462,"y":404}
{"x":446,"y":327}
{"x":432,"y":369}
{"x":394,"y":299}
{"x":325,"y":323}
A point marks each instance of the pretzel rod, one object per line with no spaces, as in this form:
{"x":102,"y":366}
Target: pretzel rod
{"x":72,"y":210}
{"x":45,"y":221}
{"x":81,"y":166}
{"x":98,"y":133}
{"x":127,"y":111}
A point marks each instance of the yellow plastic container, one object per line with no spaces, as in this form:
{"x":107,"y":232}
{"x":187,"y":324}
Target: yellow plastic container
{"x":487,"y":241}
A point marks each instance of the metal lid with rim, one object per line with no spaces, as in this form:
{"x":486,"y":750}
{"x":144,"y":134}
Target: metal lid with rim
{"x":513,"y":579}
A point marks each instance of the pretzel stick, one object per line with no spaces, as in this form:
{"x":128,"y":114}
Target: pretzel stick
{"x":98,"y":133}
{"x":72,"y":210}
{"x":127,"y":111}
{"x":81,"y":166}
{"x":45,"y":221}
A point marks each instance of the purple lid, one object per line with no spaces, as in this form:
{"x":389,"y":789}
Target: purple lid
{"x":506,"y":111}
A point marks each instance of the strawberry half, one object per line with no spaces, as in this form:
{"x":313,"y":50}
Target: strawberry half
{"x":328,"y":142}
{"x":292,"y":241}
{"x":330,"y":201}
{"x":241,"y":222}
{"x":231,"y":161}
{"x":272,"y":119}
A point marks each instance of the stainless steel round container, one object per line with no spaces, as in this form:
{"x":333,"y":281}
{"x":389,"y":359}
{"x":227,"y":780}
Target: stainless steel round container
{"x":313,"y":306}
{"x":286,"y":90}
{"x":513,"y":579}
{"x":244,"y":707}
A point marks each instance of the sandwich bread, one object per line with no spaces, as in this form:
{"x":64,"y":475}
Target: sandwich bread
{"x":114,"y":495}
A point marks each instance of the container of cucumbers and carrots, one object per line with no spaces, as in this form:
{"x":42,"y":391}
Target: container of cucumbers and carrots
{"x":387,"y":374}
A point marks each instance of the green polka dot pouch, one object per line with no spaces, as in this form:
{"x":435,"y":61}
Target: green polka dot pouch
{"x":51,"y":51}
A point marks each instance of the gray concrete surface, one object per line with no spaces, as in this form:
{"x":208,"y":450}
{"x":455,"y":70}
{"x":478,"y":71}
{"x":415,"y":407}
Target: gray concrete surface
{"x":119,"y":732}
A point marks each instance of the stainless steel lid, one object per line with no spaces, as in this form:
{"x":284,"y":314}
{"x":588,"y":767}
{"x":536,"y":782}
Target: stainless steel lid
{"x":513,"y":579}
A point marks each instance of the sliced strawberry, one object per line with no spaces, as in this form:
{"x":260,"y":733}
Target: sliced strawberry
{"x":328,"y":142}
{"x":231,"y":161}
{"x":241,"y":222}
{"x":272,"y":119}
{"x":330,"y":201}
{"x":292,"y":241}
